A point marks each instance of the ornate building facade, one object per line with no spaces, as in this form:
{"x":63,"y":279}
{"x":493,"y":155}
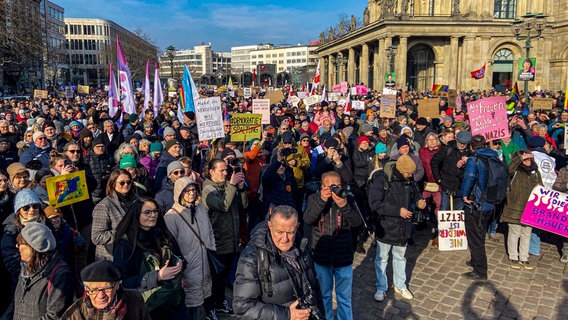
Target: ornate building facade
{"x":426,"y":42}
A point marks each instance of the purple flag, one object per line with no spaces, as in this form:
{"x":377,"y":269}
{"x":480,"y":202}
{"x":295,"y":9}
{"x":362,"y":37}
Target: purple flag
{"x":146,"y":90}
{"x":158,"y":95}
{"x":127,"y":94}
{"x":112,"y":94}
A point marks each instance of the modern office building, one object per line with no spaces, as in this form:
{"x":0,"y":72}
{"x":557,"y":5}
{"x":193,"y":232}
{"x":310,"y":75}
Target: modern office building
{"x":441,"y":42}
{"x":54,"y":36}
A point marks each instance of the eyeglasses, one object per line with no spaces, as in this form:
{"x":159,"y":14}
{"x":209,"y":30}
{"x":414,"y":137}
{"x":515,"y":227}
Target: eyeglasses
{"x":74,"y":150}
{"x":94,"y":292}
{"x":305,"y":140}
{"x":150,"y":212}
{"x":27,"y":208}
{"x":122,"y":183}
{"x":178,"y":172}
{"x":41,"y":138}
{"x":284,"y":129}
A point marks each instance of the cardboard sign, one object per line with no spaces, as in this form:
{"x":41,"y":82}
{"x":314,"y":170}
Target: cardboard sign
{"x":245,"y":126}
{"x":209,"y":118}
{"x":275,"y":97}
{"x":344,"y":87}
{"x":83,"y":89}
{"x":40,"y":94}
{"x":67,"y":189}
{"x":247,"y":92}
{"x":336,"y":88}
{"x":262,"y":106}
{"x":489,"y":117}
{"x":451,"y":235}
{"x":311,"y":100}
{"x":358,"y":105}
{"x":547,"y":210}
{"x":388,"y":106}
{"x":542,"y":104}
{"x":428,"y":108}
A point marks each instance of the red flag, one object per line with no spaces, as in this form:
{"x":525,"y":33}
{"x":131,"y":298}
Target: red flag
{"x":316,"y":81}
{"x":479,"y":73}
{"x":253,"y":76}
{"x":347,"y":105}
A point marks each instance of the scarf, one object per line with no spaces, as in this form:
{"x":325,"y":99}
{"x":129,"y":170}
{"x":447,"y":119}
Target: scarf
{"x":117,"y":310}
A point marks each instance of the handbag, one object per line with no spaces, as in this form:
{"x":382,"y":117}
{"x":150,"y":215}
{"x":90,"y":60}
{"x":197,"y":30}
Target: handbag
{"x":215,"y":264}
{"x":431,"y":187}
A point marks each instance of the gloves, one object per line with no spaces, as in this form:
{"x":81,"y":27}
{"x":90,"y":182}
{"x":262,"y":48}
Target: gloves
{"x":79,"y":240}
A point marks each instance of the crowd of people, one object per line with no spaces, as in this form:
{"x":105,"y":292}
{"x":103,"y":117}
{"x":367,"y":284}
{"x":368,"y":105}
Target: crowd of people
{"x":172,"y":221}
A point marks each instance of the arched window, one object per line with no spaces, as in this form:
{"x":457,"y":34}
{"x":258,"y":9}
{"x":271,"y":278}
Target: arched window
{"x":505,"y":9}
{"x":503,"y":69}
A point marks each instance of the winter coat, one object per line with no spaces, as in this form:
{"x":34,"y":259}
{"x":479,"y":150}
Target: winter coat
{"x":420,"y":136}
{"x":445,"y":170}
{"x":112,"y":145}
{"x":251,"y":300}
{"x":33,"y":301}
{"x":197,"y":281}
{"x":82,"y":309}
{"x":332,"y":242}
{"x":278,"y":190}
{"x":101,"y":167}
{"x":36,"y":153}
{"x":7,"y":158}
{"x":520,"y":188}
{"x":223,"y":202}
{"x":150,"y":164}
{"x":386,"y":199}
{"x":361,"y":161}
{"x":107,"y":214}
{"x":254,"y":162}
{"x":324,"y":164}
{"x":165,"y":197}
{"x":426,"y":156}
{"x":10,"y":252}
{"x":419,"y":173}
{"x":162,"y":169}
{"x":474,"y":181}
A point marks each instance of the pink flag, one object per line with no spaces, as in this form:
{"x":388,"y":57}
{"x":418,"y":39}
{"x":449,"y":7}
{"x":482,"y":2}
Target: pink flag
{"x":112,"y":94}
{"x":127,"y":94}
{"x":158,"y":95}
{"x":146,"y":90}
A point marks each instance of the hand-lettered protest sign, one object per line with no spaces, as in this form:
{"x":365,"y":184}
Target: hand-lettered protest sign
{"x":389,"y":91}
{"x":245,"y":126}
{"x":83,"y":89}
{"x":344,"y":85}
{"x":547,"y":210}
{"x":69,"y":92}
{"x":247,"y":92}
{"x":209,"y":118}
{"x":429,"y":108}
{"x":361,"y":90}
{"x":451,"y":235}
{"x":388,"y":106}
{"x":358,"y":105}
{"x":301,"y":94}
{"x":67,"y":189}
{"x":262,"y":106}
{"x":275,"y":97}
{"x":542,"y":104}
{"x":40,"y":94}
{"x":311,"y":100}
{"x":333,"y":96}
{"x":336,"y":88}
{"x":489,"y":117}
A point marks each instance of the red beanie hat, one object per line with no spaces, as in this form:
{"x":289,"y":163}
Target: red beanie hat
{"x":361,"y":139}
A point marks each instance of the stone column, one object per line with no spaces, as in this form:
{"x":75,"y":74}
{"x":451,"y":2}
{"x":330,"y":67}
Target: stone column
{"x":401,"y":58}
{"x":467,"y":60}
{"x":323,"y":68}
{"x":382,"y":63}
{"x":351,"y":66}
{"x":331,"y":74}
{"x":364,"y":65}
{"x":453,"y":64}
{"x":376,"y":67}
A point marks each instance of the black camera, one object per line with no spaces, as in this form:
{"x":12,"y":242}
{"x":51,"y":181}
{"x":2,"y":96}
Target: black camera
{"x":288,"y":151}
{"x":308,"y":302}
{"x":340,"y":192}
{"x":234,"y":162}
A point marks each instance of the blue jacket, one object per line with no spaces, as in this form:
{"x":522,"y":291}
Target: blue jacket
{"x":36,"y":153}
{"x":475,"y":179}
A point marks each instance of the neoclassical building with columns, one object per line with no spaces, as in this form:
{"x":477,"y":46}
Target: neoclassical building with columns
{"x":428,"y":42}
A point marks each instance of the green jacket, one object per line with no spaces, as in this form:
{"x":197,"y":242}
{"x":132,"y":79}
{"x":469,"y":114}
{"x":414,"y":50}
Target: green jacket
{"x":520,"y":189}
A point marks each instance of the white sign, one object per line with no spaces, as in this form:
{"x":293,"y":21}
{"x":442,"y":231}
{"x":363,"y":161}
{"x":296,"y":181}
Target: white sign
{"x":389,"y":91}
{"x":358,"y":105}
{"x":106,"y":87}
{"x":353,"y":91}
{"x":301,"y":94}
{"x":262,"y":106}
{"x":209,"y":118}
{"x":451,"y":234}
{"x":333,"y":96}
{"x":69,"y":92}
{"x":247,"y":92}
{"x":311,"y":100}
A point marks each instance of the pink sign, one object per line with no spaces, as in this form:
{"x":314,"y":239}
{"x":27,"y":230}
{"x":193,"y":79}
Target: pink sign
{"x":344,"y":86}
{"x":336,"y":88}
{"x":547,"y":210}
{"x":361,"y":90}
{"x":489,"y":117}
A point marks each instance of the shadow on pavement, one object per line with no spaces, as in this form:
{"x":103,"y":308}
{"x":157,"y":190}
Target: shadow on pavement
{"x":499,"y":305}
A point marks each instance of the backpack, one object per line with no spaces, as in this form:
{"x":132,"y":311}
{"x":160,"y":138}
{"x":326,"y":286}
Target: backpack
{"x":168,"y":293}
{"x":497,"y":179}
{"x":386,"y":171}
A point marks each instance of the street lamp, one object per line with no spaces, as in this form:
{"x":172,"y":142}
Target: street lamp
{"x":171,"y":53}
{"x":391,"y":53}
{"x":337,"y":61}
{"x":529,"y":22}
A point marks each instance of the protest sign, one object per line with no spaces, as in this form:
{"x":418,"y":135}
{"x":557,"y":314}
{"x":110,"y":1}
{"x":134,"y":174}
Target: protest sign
{"x":67,"y":189}
{"x":82,"y":89}
{"x":333,"y":96}
{"x":336,"y":88}
{"x":451,"y":235}
{"x":311,"y":100}
{"x":344,"y":87}
{"x":262,"y":106}
{"x":247,"y":92}
{"x":388,"y":106}
{"x":301,"y":94}
{"x":358,"y":105}
{"x":547,"y":210}
{"x":542,"y":104}
{"x":275,"y":97}
{"x":209,"y":118}
{"x":294,"y":100}
{"x":361,"y":90}
{"x":69,"y":92}
{"x":428,"y":108}
{"x":245,"y":126}
{"x":489,"y":117}
{"x":353,"y":91}
{"x":40,"y":94}
{"x":389,"y":91}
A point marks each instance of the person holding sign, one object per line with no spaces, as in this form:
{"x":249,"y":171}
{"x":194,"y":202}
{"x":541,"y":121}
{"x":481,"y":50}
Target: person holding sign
{"x":525,"y":176}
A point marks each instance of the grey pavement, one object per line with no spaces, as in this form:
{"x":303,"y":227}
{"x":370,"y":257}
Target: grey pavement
{"x":441,"y":293}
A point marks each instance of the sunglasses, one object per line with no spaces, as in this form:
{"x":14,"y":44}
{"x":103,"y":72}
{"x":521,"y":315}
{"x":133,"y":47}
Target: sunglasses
{"x":27,"y":208}
{"x":122,"y":183}
{"x":178,"y":172}
{"x":74,"y":151}
{"x":41,"y":138}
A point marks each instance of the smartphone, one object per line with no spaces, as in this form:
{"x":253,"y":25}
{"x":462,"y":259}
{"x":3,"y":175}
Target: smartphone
{"x":173,"y":261}
{"x":237,"y":169}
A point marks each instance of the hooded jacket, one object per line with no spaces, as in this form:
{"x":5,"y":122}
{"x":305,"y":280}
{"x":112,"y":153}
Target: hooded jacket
{"x":197,"y":275}
{"x":520,"y":188}
{"x":36,"y":153}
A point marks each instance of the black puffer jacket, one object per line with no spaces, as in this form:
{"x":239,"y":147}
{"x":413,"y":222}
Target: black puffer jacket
{"x":385,"y":199}
{"x":445,"y":170}
{"x":361,"y":161}
{"x":101,"y":167}
{"x":251,"y":289}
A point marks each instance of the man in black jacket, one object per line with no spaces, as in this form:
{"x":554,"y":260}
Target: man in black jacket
{"x":273,"y":273}
{"x":332,"y":217}
{"x":391,"y":198}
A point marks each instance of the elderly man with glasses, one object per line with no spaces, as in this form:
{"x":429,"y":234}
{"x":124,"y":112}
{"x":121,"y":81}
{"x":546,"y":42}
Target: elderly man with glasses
{"x":39,"y":150}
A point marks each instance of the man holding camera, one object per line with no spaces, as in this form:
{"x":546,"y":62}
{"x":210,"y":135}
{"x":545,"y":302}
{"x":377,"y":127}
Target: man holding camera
{"x":275,"y":278}
{"x":332,"y":217}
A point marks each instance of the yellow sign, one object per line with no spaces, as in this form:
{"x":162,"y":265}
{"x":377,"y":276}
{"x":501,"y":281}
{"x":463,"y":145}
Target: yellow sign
{"x":40,"y":94}
{"x":245,"y":126}
{"x":82,"y":89}
{"x":67,"y":189}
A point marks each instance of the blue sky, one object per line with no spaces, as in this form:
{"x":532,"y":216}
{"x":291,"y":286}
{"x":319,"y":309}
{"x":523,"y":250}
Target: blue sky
{"x":184,"y":24}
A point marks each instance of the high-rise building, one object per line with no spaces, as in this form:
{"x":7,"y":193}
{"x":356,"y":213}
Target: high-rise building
{"x":54,"y":37}
{"x":91,"y":44}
